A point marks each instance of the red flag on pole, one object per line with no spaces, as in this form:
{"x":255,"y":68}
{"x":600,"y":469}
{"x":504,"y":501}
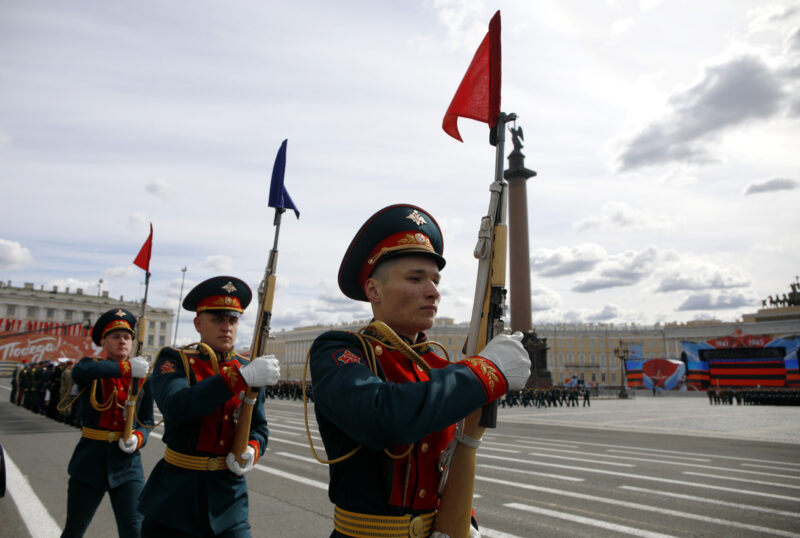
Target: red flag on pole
{"x":478,"y":95}
{"x":143,"y":258}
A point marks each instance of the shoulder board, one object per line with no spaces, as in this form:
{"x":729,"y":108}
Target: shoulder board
{"x":337,"y":335}
{"x":168,"y":351}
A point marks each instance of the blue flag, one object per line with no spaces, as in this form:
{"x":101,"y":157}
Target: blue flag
{"x":278,"y":195}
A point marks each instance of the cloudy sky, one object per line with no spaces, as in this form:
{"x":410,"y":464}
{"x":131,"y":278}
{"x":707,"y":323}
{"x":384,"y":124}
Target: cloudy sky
{"x":666,"y":138}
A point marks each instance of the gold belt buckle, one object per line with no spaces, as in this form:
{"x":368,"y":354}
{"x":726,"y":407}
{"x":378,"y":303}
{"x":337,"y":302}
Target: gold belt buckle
{"x":416,"y":529}
{"x":212,"y":464}
{"x":110,"y":437}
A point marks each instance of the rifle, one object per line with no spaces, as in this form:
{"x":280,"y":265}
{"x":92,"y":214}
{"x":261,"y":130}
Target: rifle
{"x":133,"y":387}
{"x":266,"y":295}
{"x":455,"y":507}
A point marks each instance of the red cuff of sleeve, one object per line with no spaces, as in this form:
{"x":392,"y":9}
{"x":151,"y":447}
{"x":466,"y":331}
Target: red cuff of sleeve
{"x":140,"y":438}
{"x":493,"y":380}
{"x":233,"y":379}
{"x":253,"y":443}
{"x":124,"y":369}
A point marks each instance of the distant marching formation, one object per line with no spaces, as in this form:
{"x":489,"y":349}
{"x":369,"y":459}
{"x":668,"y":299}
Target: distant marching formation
{"x":544,"y":398}
{"x":770,"y":396}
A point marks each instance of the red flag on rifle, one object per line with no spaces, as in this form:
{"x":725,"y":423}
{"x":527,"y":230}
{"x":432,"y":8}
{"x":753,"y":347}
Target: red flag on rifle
{"x":143,"y":258}
{"x":478,"y":95}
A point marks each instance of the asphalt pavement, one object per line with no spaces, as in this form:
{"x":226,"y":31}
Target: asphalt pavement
{"x":670,"y":465}
{"x":673,"y":413}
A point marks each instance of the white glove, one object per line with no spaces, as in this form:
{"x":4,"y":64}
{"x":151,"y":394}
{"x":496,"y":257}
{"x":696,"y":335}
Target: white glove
{"x":139,"y":367}
{"x":129,"y":445}
{"x":261,"y":371}
{"x":473,"y":533}
{"x":507,"y":353}
{"x":248,"y":456}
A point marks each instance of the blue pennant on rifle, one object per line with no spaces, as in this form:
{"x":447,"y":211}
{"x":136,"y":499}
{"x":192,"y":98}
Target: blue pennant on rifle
{"x":278,"y":195}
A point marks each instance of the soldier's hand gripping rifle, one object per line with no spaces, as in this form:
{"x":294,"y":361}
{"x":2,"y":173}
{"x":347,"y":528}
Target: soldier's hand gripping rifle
{"x":458,"y":481}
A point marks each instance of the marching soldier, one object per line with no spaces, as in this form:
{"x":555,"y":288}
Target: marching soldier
{"x":385,"y":402}
{"x":198,"y":488}
{"x":102,"y":460}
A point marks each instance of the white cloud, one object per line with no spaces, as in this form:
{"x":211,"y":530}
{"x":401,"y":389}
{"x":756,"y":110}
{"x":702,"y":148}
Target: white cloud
{"x":137,"y":221}
{"x":122,"y":271}
{"x":648,"y":5}
{"x":770,"y":185}
{"x":543,"y":298}
{"x":620,"y":26}
{"x":563,"y":261}
{"x":219,"y":263}
{"x":159,"y":188}
{"x":89,"y":288}
{"x":620,"y":215}
{"x":693,"y":274}
{"x":464,"y":20}
{"x":719,"y":301}
{"x":625,"y":269}
{"x":730,"y":94}
{"x":14,"y":256}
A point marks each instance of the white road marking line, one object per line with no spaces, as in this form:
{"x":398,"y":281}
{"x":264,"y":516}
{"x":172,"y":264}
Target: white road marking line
{"x":650,"y":460}
{"x":738,"y":479}
{"x":534,"y":473}
{"x":294,"y":477}
{"x":637,"y":453}
{"x":573,"y":458}
{"x":706,"y":500}
{"x":35,"y":515}
{"x":665,"y":451}
{"x":768,"y":467}
{"x":491,"y":533}
{"x":637,"y":506}
{"x":500,"y":450}
{"x":635,"y":476}
{"x":297,"y":457}
{"x":624,"y":529}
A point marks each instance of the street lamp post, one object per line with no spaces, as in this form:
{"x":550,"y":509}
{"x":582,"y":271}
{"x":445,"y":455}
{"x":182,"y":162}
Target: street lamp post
{"x":180,"y":298}
{"x":622,"y":354}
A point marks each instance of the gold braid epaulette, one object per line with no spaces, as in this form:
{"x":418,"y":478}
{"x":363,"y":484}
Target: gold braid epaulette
{"x":203,"y":349}
{"x":395,"y":343}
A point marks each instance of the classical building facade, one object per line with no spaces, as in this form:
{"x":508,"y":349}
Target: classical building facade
{"x":27,"y":303}
{"x":592,"y":352}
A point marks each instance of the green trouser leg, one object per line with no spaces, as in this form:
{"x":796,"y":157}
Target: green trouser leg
{"x":83,"y":500}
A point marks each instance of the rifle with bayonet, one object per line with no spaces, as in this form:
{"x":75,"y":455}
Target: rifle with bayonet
{"x":458,"y":482}
{"x":133,"y":387}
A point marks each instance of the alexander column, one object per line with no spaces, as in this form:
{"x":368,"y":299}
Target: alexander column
{"x":519,"y":262}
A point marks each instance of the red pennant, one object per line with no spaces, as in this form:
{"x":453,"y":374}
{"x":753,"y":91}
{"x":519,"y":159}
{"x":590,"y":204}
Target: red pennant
{"x":478,"y":95}
{"x":143,"y":258}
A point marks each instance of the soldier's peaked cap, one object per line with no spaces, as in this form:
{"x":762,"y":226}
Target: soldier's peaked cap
{"x":396,"y":230}
{"x":115,"y":319}
{"x":223,"y":294}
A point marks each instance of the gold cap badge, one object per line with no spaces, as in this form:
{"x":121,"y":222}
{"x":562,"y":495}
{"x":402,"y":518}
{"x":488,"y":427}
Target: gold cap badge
{"x":229,"y":287}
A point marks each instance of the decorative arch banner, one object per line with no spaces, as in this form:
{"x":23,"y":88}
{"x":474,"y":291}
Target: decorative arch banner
{"x":742,"y":360}
{"x":37,"y":341}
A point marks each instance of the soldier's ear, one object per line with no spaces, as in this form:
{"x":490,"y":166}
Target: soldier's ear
{"x":372,"y":290}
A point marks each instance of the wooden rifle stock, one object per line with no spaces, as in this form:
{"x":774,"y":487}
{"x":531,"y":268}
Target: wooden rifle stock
{"x":266,"y":294}
{"x":130,"y":407}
